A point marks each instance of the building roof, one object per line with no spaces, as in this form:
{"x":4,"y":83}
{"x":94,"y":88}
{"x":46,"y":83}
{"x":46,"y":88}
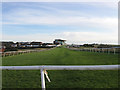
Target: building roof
{"x":59,"y":40}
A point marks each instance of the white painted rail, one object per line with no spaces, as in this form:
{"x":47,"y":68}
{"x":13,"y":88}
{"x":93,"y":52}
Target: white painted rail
{"x":60,"y":67}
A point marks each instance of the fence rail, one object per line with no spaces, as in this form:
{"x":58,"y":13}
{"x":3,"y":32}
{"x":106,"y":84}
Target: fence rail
{"x":53,"y":67}
{"x":60,"y":67}
{"x":12,"y":53}
{"x":100,"y":50}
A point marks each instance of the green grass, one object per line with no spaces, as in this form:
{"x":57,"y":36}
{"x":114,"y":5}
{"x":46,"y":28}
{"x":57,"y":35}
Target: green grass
{"x":61,"y":79}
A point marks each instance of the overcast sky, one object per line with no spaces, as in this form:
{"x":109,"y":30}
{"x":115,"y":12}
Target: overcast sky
{"x":77,"y":22}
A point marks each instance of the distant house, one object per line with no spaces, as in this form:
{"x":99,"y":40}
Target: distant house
{"x":36,"y":44}
{"x":76,"y":46}
{"x":29,"y":44}
{"x":2,"y":49}
{"x":22,"y":44}
{"x":14,"y":45}
{"x":48,"y":45}
{"x":59,"y":42}
{"x":7,"y":45}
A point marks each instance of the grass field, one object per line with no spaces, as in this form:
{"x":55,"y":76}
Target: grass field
{"x":61,"y":79}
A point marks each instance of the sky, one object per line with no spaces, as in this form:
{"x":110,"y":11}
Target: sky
{"x":76,"y":22}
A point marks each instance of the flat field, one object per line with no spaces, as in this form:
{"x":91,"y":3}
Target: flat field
{"x":61,"y":79}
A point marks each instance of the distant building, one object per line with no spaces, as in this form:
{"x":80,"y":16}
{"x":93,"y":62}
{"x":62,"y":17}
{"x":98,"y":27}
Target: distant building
{"x":48,"y":45}
{"x":22,"y":44}
{"x":29,"y":44}
{"x":7,"y":44}
{"x":2,"y":49}
{"x":59,"y":42}
{"x":36,"y":44}
{"x":74,"y":45}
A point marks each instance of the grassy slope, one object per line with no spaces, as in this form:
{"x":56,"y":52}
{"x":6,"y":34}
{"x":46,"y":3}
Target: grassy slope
{"x":60,"y":56}
{"x":61,"y":79}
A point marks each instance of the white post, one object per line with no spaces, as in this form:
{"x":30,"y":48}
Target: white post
{"x":42,"y":79}
{"x":108,"y":51}
{"x":114,"y":51}
{"x":95,"y":50}
{"x":99,"y":50}
{"x":103,"y":50}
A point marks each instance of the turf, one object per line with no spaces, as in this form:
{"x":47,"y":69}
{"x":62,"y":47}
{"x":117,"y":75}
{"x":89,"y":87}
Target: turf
{"x":61,"y":79}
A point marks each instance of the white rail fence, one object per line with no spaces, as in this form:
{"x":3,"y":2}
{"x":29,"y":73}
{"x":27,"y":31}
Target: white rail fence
{"x":12,"y":53}
{"x":100,"y":50}
{"x":53,"y":67}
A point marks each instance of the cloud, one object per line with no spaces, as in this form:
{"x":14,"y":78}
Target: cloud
{"x":60,"y":0}
{"x":57,"y":16}
{"x":90,"y":37}
{"x":49,"y":16}
{"x":106,"y":23}
{"x":112,"y":5}
{"x":71,"y":37}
